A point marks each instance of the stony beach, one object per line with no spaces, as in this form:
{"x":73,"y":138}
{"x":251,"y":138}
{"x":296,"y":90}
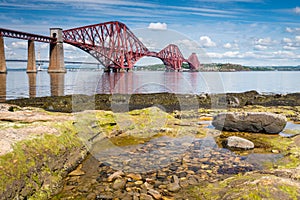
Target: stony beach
{"x":146,"y":153}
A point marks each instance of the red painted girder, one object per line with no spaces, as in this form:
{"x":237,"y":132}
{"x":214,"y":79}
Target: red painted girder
{"x":171,"y":57}
{"x":111,"y":43}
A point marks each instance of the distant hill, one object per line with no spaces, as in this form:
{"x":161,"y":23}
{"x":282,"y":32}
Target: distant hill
{"x":222,"y":67}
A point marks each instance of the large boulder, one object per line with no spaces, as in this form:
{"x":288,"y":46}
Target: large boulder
{"x":256,"y":122}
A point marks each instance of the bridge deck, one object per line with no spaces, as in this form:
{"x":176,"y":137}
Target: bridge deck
{"x":25,"y":36}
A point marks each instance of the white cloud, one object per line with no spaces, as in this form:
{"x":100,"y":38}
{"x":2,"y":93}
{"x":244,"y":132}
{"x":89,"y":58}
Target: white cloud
{"x":260,"y":47}
{"x":150,"y":44}
{"x":286,"y":54}
{"x":215,"y":55}
{"x":291,"y":44}
{"x":292,"y":30}
{"x":158,"y":26}
{"x":187,"y":44}
{"x":297,"y":10}
{"x":19,"y":45}
{"x":232,"y":54}
{"x":287,"y":40}
{"x":265,"y":41}
{"x":69,"y":47}
{"x":289,"y":48}
{"x":289,"y":30}
{"x":227,"y":46}
{"x":44,"y":46}
{"x":233,"y":45}
{"x":205,"y":41}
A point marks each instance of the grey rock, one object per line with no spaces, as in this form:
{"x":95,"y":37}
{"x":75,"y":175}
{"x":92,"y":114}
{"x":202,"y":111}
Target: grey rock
{"x":256,"y":122}
{"x":238,"y":142}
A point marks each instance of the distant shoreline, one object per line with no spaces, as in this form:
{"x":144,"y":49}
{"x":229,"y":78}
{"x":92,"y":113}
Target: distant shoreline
{"x":222,"y":67}
{"x":212,"y":67}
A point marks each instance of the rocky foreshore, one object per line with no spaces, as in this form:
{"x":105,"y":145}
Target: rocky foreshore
{"x":168,"y":101}
{"x":144,"y":154}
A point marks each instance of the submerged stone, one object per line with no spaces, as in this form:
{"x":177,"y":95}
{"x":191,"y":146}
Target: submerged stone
{"x":239,"y":143}
{"x":256,"y":122}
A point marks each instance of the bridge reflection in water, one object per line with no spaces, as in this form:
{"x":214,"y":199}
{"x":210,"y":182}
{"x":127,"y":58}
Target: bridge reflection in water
{"x":121,"y":83}
{"x":57,"y":86}
{"x":32,"y":84}
{"x":2,"y":87}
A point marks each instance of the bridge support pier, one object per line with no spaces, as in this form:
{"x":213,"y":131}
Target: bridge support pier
{"x":31,"y":62}
{"x":56,"y":62}
{"x":2,"y":56}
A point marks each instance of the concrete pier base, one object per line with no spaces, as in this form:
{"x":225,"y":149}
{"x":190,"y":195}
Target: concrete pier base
{"x":2,"y":56}
{"x":56,"y":62}
{"x":31,"y":62}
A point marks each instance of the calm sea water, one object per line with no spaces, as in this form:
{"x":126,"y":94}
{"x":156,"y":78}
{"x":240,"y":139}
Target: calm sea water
{"x":19,"y":84}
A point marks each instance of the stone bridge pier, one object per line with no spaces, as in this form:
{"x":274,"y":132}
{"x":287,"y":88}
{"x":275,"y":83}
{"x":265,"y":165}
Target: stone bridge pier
{"x":2,"y":56}
{"x":31,"y":63}
{"x":56,"y":57}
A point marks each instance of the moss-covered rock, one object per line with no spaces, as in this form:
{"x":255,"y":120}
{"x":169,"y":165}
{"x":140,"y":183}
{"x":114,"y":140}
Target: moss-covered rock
{"x":40,"y":149}
{"x":248,"y":186}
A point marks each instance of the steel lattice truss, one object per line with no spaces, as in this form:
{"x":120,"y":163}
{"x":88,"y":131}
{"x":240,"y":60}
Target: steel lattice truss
{"x":111,"y":43}
{"x":171,"y":57}
{"x":25,"y":36}
{"x":115,"y":46}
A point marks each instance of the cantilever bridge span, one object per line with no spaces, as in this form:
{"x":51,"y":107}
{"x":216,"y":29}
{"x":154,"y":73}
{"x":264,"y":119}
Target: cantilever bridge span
{"x":115,"y":46}
{"x":111,"y":43}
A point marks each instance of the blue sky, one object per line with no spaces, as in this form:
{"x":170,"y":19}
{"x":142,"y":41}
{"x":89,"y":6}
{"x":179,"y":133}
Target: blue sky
{"x":249,"y":32}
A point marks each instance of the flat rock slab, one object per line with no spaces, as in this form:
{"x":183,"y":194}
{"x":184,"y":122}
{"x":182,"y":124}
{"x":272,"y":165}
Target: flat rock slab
{"x":256,"y":122}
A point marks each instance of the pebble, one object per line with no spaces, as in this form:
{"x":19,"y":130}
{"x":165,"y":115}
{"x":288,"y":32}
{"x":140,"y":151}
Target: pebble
{"x":145,"y":197}
{"x":275,"y":151}
{"x":77,"y":171}
{"x":173,"y":187}
{"x":115,"y":175}
{"x":151,"y":174}
{"x":138,"y":182}
{"x":155,"y":194}
{"x":135,"y":177}
{"x":119,"y":184}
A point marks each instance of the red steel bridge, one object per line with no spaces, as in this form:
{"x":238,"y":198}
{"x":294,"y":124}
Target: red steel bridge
{"x":111,"y":43}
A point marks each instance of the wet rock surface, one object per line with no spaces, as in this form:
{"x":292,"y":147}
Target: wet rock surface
{"x":157,"y":170}
{"x":239,"y":143}
{"x":148,"y":154}
{"x":250,"y":122}
{"x":169,"y":101}
{"x":169,"y":166}
{"x":37,"y":149}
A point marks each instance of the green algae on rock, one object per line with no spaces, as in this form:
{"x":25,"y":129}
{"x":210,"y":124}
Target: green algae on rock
{"x":41,"y":152}
{"x":248,"y":186}
{"x":37,"y":166}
